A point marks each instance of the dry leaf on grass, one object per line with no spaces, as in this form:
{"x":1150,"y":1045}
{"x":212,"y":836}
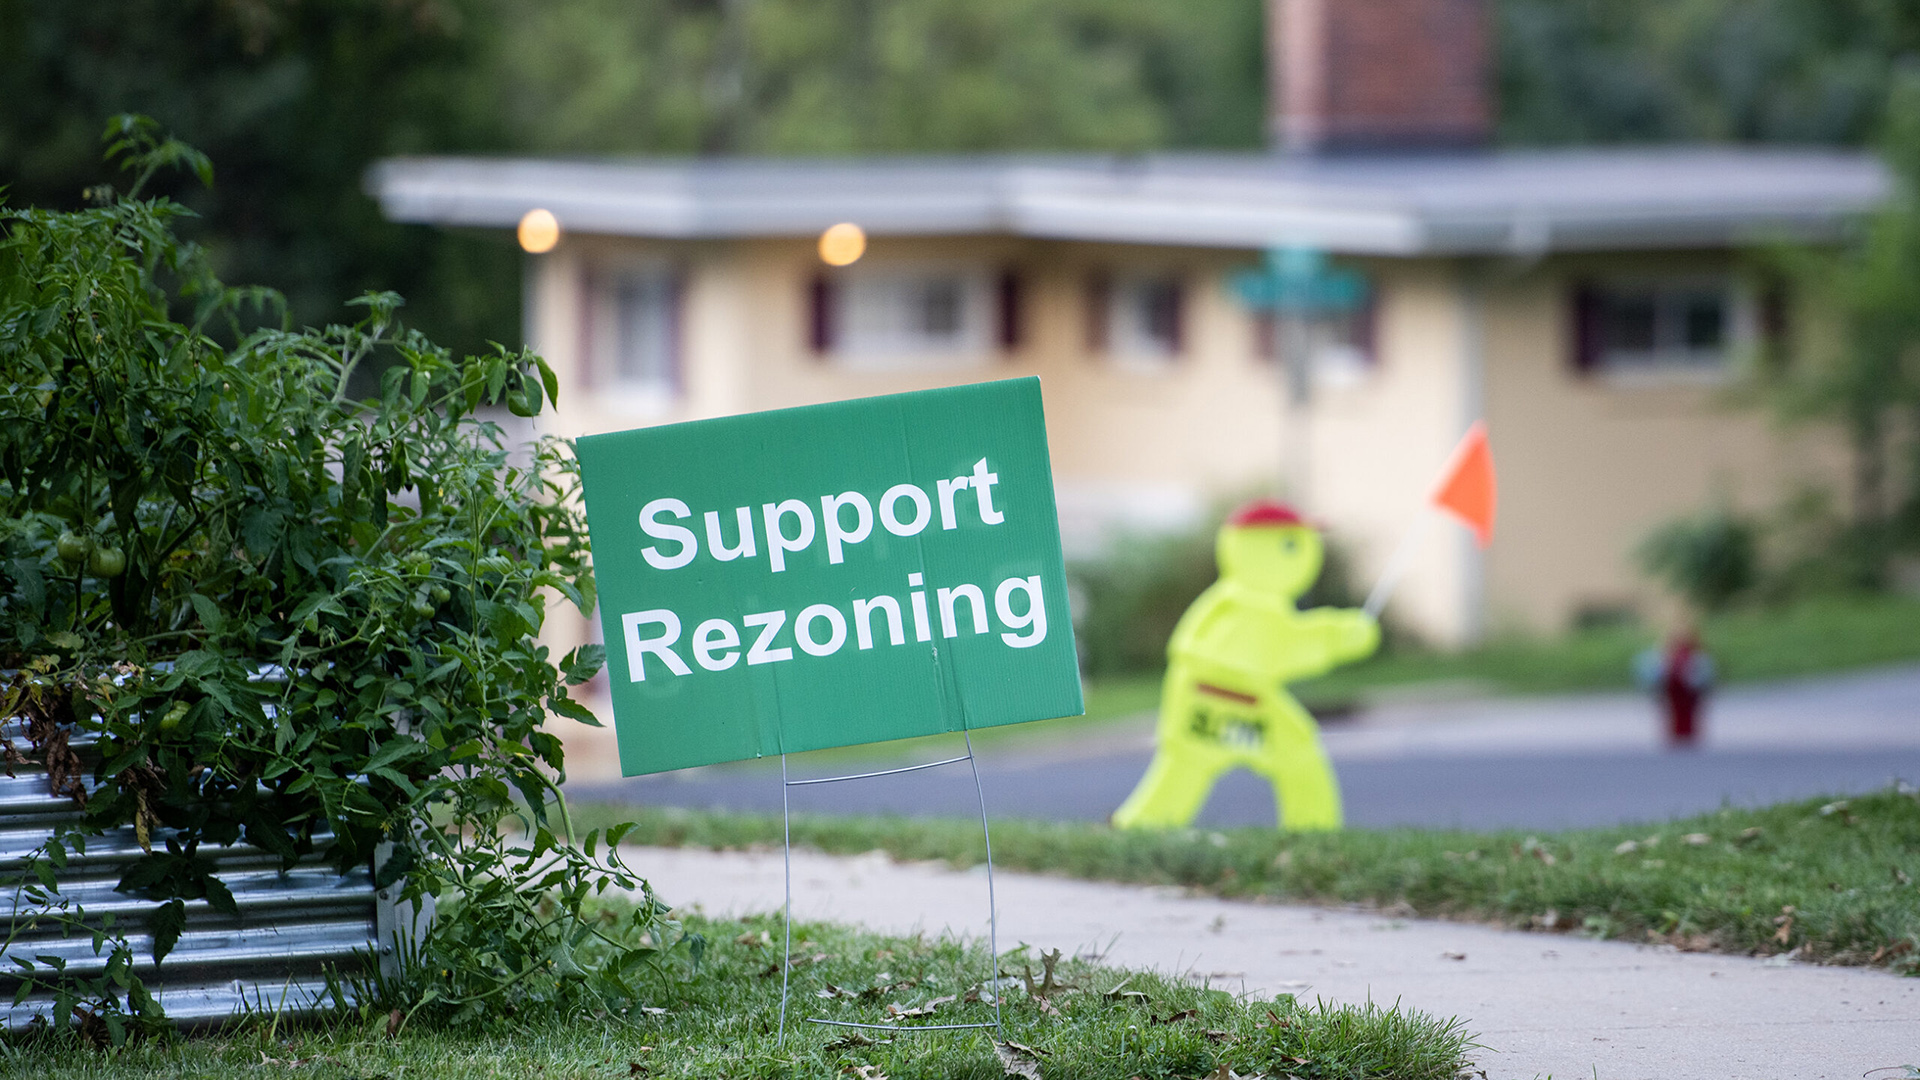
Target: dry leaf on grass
{"x":1889,"y":952}
{"x":1018,"y":1059}
{"x":1785,"y":923}
{"x":1048,"y":987}
{"x":895,"y":1012}
{"x":296,"y":1063}
{"x":774,"y":969}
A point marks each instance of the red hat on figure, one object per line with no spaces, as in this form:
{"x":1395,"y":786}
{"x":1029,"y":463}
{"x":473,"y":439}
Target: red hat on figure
{"x":1266,"y":512}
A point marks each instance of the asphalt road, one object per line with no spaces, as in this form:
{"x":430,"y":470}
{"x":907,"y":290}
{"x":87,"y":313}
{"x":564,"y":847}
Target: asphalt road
{"x":1527,"y":764}
{"x":1530,"y":792}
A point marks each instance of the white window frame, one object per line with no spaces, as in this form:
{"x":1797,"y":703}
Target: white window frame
{"x":1671,"y":361}
{"x":612,"y":386}
{"x":1335,"y":359}
{"x":1129,"y":344}
{"x":872,"y":316}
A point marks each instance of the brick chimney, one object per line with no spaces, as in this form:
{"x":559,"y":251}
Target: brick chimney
{"x":1378,"y":75}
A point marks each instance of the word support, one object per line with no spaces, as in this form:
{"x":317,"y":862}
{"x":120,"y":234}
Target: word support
{"x":789,"y":526}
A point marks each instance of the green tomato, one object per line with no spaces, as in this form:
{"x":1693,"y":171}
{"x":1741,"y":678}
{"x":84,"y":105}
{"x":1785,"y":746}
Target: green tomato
{"x":170,"y":722}
{"x":440,"y":593}
{"x":107,"y":562}
{"x":423,"y":607}
{"x":74,"y":547}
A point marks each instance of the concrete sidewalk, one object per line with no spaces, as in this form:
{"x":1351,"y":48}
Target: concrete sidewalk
{"x":1541,"y":1004}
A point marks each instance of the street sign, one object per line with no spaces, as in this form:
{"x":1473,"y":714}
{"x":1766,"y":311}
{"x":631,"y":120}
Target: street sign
{"x":830,"y":575}
{"x":1298,"y":281}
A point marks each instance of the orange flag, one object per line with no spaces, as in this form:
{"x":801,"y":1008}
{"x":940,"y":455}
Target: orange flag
{"x":1466,"y":488}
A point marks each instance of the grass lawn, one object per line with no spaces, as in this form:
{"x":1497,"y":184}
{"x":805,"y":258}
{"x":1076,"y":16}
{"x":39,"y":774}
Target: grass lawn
{"x":720,"y":1022}
{"x":1832,"y":882}
{"x":1750,"y":645}
{"x":1825,"y":634}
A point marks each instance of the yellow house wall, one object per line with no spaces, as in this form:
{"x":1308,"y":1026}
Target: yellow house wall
{"x":1374,"y":448}
{"x":1127,"y":443}
{"x":1587,"y":465}
{"x":1590,"y":464}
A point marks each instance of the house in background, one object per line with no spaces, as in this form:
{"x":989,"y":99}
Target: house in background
{"x":1589,"y":304}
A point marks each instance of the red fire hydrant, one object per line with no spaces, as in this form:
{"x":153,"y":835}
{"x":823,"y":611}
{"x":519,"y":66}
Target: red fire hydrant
{"x":1680,"y":677}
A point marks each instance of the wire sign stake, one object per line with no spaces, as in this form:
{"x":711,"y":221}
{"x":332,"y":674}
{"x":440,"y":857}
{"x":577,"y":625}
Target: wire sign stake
{"x":993,"y":913}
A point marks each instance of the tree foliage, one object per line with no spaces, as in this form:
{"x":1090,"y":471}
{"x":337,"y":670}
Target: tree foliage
{"x":295,"y":100}
{"x":1709,"y":560}
{"x":1864,"y":376}
{"x":294,"y":618}
{"x":1797,"y":71}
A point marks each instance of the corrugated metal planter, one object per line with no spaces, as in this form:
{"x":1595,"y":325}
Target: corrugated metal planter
{"x":292,"y":927}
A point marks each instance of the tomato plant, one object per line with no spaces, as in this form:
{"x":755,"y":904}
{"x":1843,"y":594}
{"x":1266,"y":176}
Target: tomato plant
{"x":188,"y":503}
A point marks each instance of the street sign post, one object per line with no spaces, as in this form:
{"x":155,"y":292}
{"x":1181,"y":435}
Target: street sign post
{"x":830,"y":575}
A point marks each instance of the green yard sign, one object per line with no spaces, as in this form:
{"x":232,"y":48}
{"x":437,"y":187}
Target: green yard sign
{"x":830,"y":575}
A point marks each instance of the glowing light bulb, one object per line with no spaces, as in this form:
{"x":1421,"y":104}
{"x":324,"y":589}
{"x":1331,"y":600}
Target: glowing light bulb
{"x":843,"y":244}
{"x":539,"y":231}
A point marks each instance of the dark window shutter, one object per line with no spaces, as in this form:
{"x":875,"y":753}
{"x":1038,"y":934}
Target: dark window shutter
{"x":1585,"y":323}
{"x":1266,"y":335}
{"x":1177,"y":315}
{"x":1366,"y":328}
{"x":1775,"y":314}
{"x":589,"y":302}
{"x":676,"y":330}
{"x":820,"y":302}
{"x":1099,"y":299}
{"x":1012,"y":310}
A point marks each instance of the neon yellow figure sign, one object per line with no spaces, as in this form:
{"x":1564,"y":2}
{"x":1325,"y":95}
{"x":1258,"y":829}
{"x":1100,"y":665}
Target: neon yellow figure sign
{"x":1224,"y":703}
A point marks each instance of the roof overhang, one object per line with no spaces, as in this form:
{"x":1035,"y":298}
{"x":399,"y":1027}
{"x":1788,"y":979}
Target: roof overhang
{"x":1525,"y":203}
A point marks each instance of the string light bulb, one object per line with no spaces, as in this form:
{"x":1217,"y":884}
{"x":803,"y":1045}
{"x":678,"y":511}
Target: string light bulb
{"x":843,"y":244}
{"x":539,"y":232}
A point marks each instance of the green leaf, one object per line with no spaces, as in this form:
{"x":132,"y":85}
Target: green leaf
{"x":219,"y":897}
{"x":396,"y":749}
{"x":166,"y":924}
{"x":572,"y":709}
{"x":548,"y":380}
{"x":317,"y":602}
{"x":399,"y":780}
{"x":209,"y":613}
{"x":584,"y":663}
{"x":394,"y":868}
